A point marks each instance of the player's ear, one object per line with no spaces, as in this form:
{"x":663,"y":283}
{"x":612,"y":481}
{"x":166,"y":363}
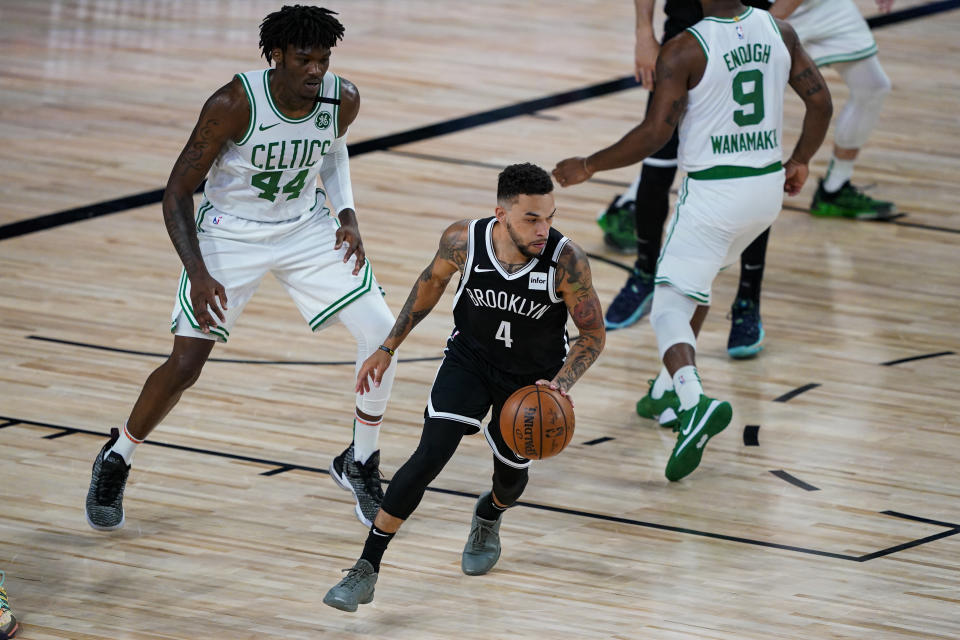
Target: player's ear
{"x":276,"y":56}
{"x":501,"y":213}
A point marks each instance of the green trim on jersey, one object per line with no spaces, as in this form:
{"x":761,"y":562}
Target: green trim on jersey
{"x":349,"y":297}
{"x":336,"y":108}
{"x":698,"y":296}
{"x":187,"y":309}
{"x":725,"y":172}
{"x":700,"y":41}
{"x":847,"y":57}
{"x":733,"y":19}
{"x":681,"y":198}
{"x":776,"y":27}
{"x":266,"y":89}
{"x":201,"y":212}
{"x":253,"y":108}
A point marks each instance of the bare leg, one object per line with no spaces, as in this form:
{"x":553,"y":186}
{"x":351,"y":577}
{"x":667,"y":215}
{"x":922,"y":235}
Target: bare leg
{"x":166,"y":384}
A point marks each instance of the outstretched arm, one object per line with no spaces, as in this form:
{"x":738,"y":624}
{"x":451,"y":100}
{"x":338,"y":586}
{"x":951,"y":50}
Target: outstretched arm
{"x":646,"y":48}
{"x":576,"y":288}
{"x":806,"y":80}
{"x":426,"y":292}
{"x":679,"y":66}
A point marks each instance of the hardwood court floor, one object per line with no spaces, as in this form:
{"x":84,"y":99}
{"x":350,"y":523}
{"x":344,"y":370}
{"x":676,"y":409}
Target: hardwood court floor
{"x":234,"y":530}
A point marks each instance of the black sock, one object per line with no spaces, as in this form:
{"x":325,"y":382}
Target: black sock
{"x":488,"y":509}
{"x":376,"y":544}
{"x":752,"y":261}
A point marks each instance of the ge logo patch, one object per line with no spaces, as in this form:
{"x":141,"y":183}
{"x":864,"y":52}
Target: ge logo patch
{"x":323,"y":120}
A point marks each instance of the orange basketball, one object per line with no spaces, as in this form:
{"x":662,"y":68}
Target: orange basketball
{"x":536,"y":422}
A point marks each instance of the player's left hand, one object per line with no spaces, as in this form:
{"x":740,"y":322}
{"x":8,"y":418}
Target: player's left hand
{"x":556,"y":387}
{"x":796,"y":175}
{"x":571,"y":171}
{"x":349,"y":233}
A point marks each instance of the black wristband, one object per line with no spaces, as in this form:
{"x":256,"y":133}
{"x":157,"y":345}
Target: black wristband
{"x":384,"y":347}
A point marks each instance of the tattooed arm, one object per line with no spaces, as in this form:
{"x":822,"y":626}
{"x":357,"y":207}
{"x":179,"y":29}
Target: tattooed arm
{"x":426,"y":292}
{"x":576,"y":288}
{"x":680,"y":66}
{"x":806,"y":80}
{"x":224,"y":116}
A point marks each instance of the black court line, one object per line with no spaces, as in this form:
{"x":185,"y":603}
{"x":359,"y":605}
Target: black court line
{"x":751,"y":435}
{"x":912,"y":358}
{"x":9,"y":423}
{"x":86,"y":345}
{"x":281,"y":467}
{"x":598,"y":440}
{"x":783,"y":475}
{"x":382,"y":143}
{"x":793,"y":394}
{"x":610,"y":261}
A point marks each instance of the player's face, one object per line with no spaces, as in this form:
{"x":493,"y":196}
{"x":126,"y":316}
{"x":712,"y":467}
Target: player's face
{"x":528,"y":221}
{"x":302,"y":68}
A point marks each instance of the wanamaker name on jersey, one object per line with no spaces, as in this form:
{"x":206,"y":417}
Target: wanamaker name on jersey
{"x":506,"y":302}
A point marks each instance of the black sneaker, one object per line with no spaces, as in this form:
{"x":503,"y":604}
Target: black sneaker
{"x":746,"y":330}
{"x":363,"y":480}
{"x":849,"y":202}
{"x":633,"y":301}
{"x":105,"y":498}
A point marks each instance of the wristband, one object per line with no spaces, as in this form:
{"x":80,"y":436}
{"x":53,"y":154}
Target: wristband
{"x":384,"y":347}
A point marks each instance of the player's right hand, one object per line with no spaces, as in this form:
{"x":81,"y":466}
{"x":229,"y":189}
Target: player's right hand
{"x":207,"y":294}
{"x":796,"y":175}
{"x":645,"y":55}
{"x":373,"y":368}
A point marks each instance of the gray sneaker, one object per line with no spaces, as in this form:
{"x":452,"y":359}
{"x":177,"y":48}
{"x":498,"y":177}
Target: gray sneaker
{"x":105,"y":497}
{"x":356,"y":588}
{"x":483,"y":545}
{"x":363,"y":480}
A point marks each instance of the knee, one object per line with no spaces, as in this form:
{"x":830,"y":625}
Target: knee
{"x":183,"y":369}
{"x":508,"y":485}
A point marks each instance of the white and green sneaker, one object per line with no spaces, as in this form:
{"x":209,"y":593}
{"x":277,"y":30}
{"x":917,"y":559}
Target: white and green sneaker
{"x":663,"y":409}
{"x":697,"y":425}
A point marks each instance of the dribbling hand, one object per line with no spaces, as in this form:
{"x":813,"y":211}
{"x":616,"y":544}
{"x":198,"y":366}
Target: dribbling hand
{"x":556,"y":387}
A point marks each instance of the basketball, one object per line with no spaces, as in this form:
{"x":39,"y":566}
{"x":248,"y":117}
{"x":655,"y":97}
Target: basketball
{"x":536,"y":422}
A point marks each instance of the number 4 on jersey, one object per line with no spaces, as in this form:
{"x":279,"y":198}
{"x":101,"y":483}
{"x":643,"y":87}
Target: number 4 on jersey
{"x":503,"y":333}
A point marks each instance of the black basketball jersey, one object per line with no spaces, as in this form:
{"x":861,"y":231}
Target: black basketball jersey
{"x":514,"y":321}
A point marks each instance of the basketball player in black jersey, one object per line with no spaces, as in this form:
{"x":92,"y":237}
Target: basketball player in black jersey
{"x":519,"y":279}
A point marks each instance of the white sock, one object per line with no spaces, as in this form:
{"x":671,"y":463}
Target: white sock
{"x":662,"y":384}
{"x":366,"y":435}
{"x":125,"y":445}
{"x":687,"y":383}
{"x":838,"y":173}
{"x":630,"y":194}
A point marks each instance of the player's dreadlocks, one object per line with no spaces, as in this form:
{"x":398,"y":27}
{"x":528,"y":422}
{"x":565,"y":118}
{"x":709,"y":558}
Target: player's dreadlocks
{"x":523,"y":178}
{"x":301,"y":26}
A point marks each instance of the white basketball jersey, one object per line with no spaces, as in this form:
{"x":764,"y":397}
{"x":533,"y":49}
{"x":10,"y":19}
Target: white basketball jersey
{"x":734,"y":116}
{"x":271,"y":174}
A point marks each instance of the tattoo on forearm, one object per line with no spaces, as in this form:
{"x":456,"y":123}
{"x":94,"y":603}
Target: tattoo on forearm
{"x":676,"y":111}
{"x":586,"y":313}
{"x":584,"y":353}
{"x":182,"y":234}
{"x":807,"y":82}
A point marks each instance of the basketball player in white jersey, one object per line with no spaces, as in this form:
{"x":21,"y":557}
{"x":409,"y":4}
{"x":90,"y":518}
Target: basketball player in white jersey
{"x":722,"y":82}
{"x":261,"y":141}
{"x":834,"y":33}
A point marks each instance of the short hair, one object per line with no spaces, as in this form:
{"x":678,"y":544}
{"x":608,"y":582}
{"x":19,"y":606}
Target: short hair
{"x":300,"y":26}
{"x":520,"y":179}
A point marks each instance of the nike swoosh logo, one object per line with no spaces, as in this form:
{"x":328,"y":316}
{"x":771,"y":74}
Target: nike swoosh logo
{"x":697,"y":429}
{"x":479,"y":270}
{"x":263,"y":128}
{"x":377,"y":533}
{"x":693,"y":419}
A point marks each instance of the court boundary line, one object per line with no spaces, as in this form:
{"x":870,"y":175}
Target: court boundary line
{"x":278,"y":468}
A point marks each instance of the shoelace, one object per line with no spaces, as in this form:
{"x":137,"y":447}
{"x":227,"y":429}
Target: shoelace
{"x":112,"y":478}
{"x":478,"y":535}
{"x":354,"y":575}
{"x":371,"y":476}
